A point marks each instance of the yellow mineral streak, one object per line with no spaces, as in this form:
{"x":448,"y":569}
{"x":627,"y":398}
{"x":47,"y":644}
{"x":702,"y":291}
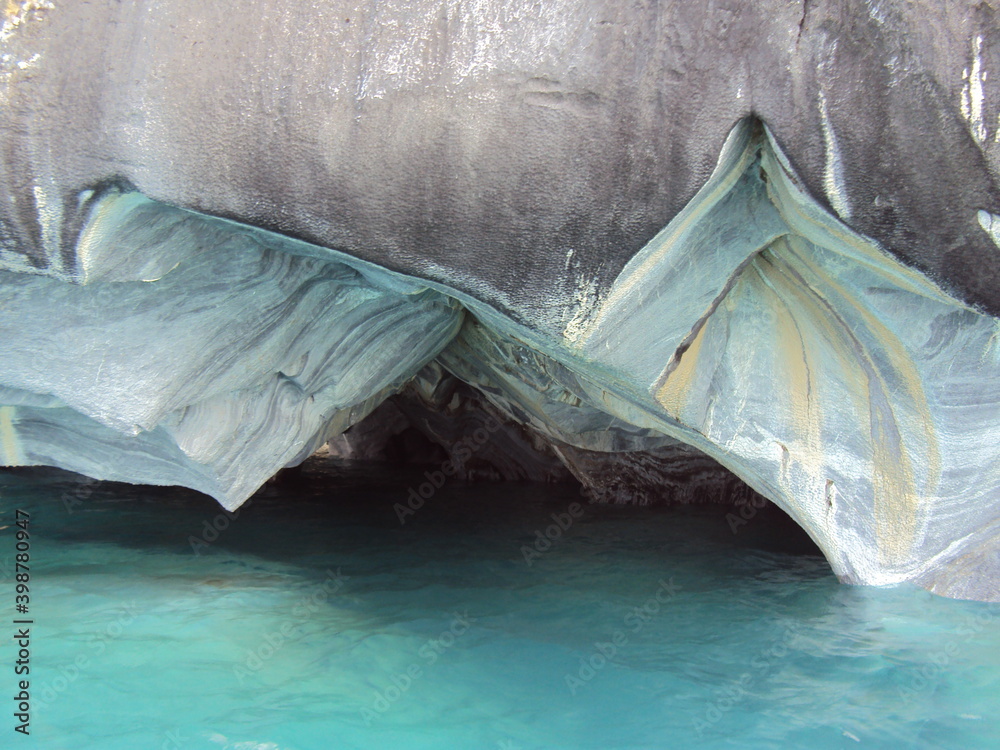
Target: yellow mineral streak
{"x":729,"y":170}
{"x":9,"y":444}
{"x":803,"y":338}
{"x":900,"y":497}
{"x":812,"y":339}
{"x":916,"y":413}
{"x":674,"y":388}
{"x":795,"y":356}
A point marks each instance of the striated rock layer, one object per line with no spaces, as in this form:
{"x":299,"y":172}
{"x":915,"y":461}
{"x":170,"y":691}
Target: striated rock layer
{"x":755,"y":327}
{"x":496,"y":237}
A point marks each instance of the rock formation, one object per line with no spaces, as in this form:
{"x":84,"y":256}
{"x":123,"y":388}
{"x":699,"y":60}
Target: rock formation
{"x":645,"y":240}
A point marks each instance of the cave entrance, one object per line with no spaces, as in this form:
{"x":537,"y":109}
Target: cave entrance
{"x":430,"y":458}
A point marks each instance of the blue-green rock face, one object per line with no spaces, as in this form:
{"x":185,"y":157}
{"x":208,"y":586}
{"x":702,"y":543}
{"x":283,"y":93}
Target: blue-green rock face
{"x":228,"y":238}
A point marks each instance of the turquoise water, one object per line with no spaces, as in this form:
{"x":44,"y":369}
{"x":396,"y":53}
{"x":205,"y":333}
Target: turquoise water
{"x":315,"y":619}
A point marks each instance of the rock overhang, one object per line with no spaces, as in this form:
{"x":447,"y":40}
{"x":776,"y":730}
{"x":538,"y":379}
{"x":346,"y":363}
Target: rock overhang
{"x":172,"y":310}
{"x":180,"y":348}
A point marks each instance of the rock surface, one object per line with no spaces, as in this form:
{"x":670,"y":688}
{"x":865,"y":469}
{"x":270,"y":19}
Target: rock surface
{"x":642,"y":238}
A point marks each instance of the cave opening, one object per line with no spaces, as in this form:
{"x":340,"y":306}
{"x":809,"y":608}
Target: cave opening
{"x":439,"y":465}
{"x":410,"y":458}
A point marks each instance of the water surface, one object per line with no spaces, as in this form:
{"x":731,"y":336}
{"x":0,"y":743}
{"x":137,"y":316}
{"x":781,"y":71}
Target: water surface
{"x":315,"y":619}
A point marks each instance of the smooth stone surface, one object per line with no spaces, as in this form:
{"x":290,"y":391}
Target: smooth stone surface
{"x":229,"y":235}
{"x":522,"y":154}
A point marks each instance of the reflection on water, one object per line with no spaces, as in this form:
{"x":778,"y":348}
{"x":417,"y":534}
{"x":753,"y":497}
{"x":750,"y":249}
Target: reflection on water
{"x":496,"y":616}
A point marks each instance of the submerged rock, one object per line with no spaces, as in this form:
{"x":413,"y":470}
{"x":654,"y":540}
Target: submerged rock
{"x":229,"y":239}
